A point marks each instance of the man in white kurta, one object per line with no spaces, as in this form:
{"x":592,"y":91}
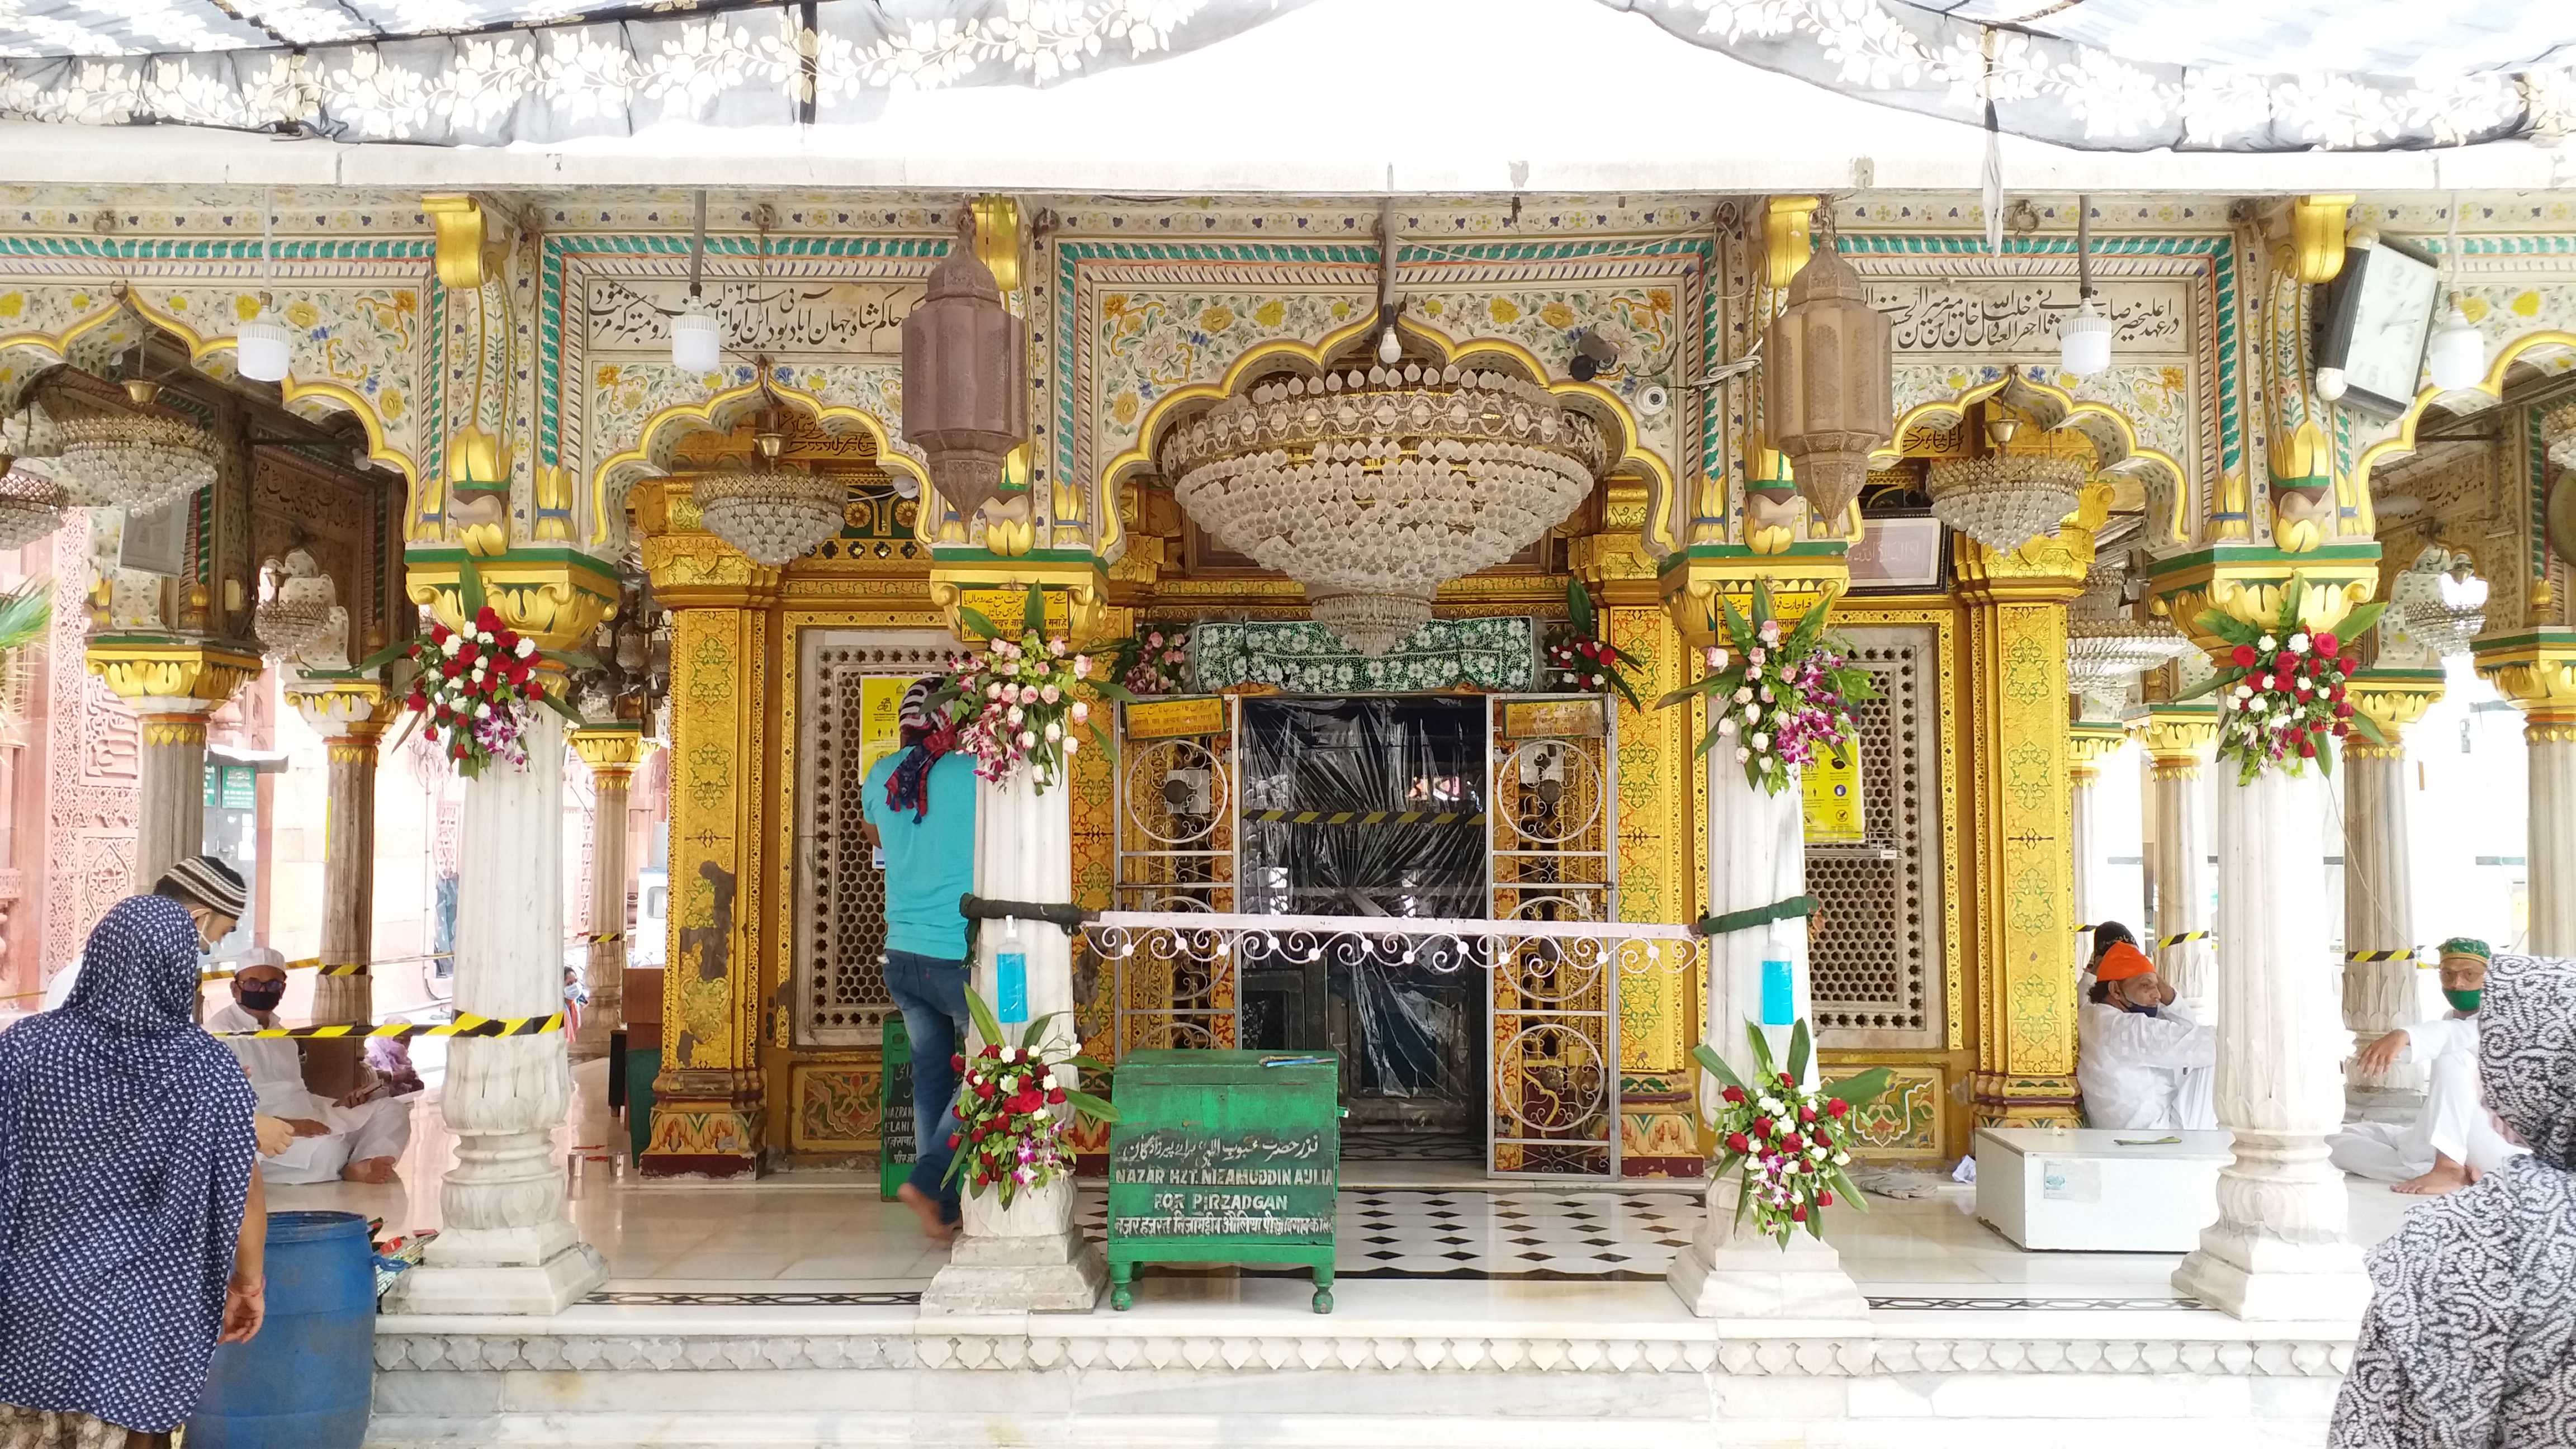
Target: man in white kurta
{"x":2452,"y":1143}
{"x":351,"y":1138}
{"x":2143,"y":1063}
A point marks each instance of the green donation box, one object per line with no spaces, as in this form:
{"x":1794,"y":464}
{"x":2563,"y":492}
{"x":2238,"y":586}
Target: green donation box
{"x":895,"y":1148}
{"x":1224,"y":1157}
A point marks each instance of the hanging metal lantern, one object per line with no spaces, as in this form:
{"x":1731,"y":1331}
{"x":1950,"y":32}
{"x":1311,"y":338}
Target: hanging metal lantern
{"x":1828,"y":396}
{"x":965,"y":402}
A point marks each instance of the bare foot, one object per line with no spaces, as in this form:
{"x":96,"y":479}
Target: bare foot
{"x":2446,"y":1176}
{"x":369,"y":1169}
{"x":926,"y":1208}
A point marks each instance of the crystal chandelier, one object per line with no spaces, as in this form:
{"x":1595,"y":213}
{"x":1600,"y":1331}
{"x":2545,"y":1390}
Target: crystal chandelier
{"x":1373,"y":487}
{"x":136,"y":461}
{"x":2445,"y":618}
{"x":2103,"y":655}
{"x":2005,"y":499}
{"x":30,"y":507}
{"x":297,"y":610}
{"x":772,"y":514}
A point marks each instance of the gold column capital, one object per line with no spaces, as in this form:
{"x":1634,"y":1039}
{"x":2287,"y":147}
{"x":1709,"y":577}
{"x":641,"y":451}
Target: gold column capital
{"x":1786,"y":225}
{"x":556,"y":596}
{"x":1077,"y":598}
{"x":2392,"y":699}
{"x":1614,"y":562}
{"x":343,"y":710}
{"x":2246,"y":584}
{"x":612,"y":751}
{"x":2179,"y":737}
{"x":467,"y":256}
{"x":2088,"y":743}
{"x":1693,"y":580}
{"x":2536,"y":669}
{"x":163,"y":677}
{"x":2317,"y":237}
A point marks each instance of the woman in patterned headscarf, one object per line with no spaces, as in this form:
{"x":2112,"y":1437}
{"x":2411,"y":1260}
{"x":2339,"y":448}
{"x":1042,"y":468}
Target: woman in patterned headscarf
{"x":130,"y":1217}
{"x":2470,"y":1342}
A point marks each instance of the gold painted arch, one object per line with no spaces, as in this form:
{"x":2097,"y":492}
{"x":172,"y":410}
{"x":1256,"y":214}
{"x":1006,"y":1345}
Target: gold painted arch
{"x":1595,"y":401}
{"x":2401,"y":443}
{"x":2113,"y":436}
{"x":659,"y":441}
{"x":92,"y":343}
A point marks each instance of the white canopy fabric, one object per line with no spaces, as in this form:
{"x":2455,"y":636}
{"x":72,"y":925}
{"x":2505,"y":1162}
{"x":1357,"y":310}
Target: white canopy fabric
{"x":2220,"y":75}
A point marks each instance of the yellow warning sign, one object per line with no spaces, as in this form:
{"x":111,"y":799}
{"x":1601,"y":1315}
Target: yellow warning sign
{"x":880,"y":720}
{"x":1833,"y":801}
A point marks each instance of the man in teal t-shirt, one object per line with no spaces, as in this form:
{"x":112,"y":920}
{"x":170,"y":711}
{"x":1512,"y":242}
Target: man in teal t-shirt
{"x":919,"y":808}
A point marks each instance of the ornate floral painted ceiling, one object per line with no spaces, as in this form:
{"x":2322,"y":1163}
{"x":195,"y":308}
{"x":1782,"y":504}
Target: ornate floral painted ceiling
{"x":2232,"y":75}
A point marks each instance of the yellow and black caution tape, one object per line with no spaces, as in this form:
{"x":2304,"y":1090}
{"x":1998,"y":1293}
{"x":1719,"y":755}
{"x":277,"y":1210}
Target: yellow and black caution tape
{"x":600,"y":938}
{"x":465,"y":1024}
{"x":1366,"y":817}
{"x":2360,"y":956}
{"x":2179,"y":937}
{"x":309,"y":963}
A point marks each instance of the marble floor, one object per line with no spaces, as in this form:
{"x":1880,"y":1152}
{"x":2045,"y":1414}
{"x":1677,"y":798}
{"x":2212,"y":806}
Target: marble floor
{"x":1432,"y":1239}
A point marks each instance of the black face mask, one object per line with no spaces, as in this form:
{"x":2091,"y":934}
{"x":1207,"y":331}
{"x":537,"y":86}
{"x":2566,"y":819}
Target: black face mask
{"x":262,"y":996}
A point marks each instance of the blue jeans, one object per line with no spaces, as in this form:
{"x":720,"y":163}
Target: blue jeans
{"x":932,"y":996}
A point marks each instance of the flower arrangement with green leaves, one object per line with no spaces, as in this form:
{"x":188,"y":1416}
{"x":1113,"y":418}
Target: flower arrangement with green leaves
{"x":1019,"y":701}
{"x":2283,"y":690}
{"x":1013,"y":1108}
{"x":1149,"y":662}
{"x":1784,"y":696}
{"x":471,"y":684}
{"x":1579,"y":653}
{"x":1791,"y":1142}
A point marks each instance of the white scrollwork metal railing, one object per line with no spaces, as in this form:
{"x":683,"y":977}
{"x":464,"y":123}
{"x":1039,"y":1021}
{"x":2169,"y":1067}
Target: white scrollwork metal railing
{"x":1552,"y":1013}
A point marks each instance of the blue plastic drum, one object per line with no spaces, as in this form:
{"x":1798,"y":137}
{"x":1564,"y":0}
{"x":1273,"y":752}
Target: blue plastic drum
{"x":305,"y":1381}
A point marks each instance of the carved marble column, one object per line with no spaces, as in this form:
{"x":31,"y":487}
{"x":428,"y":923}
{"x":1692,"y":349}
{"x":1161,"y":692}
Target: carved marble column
{"x":172,"y":687}
{"x":506,"y":1245}
{"x":2536,"y":669}
{"x":1757,"y":857}
{"x":612,"y":753}
{"x":350,"y":714}
{"x":2379,"y":935}
{"x":1032,"y":1256}
{"x":2178,"y":741}
{"x":2089,"y":742}
{"x":2278,"y":1250}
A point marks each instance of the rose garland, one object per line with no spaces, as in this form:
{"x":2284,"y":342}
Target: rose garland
{"x":469,"y":685}
{"x":1579,"y":654}
{"x":1784,"y":696}
{"x":2285,"y":689}
{"x":1791,"y":1142}
{"x":1012,"y":1110}
{"x":1017,"y":701}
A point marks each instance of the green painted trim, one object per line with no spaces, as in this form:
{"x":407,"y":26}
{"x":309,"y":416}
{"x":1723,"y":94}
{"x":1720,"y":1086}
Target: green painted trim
{"x":533,"y":553}
{"x":2499,"y":643}
{"x":954,"y":555}
{"x":1737,"y":553}
{"x":147,"y":249}
{"x":2247,"y":553}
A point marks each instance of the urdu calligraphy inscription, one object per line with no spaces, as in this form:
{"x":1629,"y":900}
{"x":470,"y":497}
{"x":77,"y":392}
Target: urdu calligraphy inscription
{"x":780,"y":315}
{"x":2022,"y":315}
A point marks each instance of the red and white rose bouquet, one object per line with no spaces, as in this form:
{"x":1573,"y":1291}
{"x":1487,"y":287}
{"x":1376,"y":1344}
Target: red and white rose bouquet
{"x":1791,"y":1141}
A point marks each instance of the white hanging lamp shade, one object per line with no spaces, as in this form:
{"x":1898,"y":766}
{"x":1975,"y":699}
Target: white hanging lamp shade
{"x":261,"y":349}
{"x":697,"y":341}
{"x":2084,"y":342}
{"x":2457,"y":355}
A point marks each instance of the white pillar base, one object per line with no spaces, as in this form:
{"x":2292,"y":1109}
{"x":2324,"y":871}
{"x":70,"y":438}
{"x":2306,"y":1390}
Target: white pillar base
{"x":1026,"y":1258}
{"x":536,"y":1271}
{"x":1756,"y":1288}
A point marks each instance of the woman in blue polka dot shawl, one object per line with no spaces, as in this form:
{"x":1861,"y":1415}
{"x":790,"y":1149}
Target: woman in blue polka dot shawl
{"x":127,"y":1182}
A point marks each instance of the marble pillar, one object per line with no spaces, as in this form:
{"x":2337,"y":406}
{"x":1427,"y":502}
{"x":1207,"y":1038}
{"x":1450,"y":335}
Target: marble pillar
{"x":2178,"y":743}
{"x":172,"y":686}
{"x":1031,"y":1256}
{"x":2379,"y":934}
{"x":2278,"y":1250}
{"x":1753,"y":1286}
{"x":2088,"y":744}
{"x":351,"y":716}
{"x":506,"y":1245}
{"x":2536,"y":669}
{"x":611,"y":752}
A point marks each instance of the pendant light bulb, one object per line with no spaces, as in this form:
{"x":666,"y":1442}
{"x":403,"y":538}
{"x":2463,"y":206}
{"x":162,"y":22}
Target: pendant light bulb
{"x":1390,"y":348}
{"x":260,"y":350}
{"x":697,"y":340}
{"x":2084,"y":341}
{"x":2458,"y":355}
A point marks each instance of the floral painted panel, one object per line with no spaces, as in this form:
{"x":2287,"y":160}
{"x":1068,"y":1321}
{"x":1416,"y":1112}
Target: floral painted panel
{"x":1302,"y":658}
{"x":2156,"y":398}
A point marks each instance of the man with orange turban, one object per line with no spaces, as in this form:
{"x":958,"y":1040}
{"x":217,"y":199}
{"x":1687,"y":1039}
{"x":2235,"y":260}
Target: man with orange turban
{"x":2142,"y":1061}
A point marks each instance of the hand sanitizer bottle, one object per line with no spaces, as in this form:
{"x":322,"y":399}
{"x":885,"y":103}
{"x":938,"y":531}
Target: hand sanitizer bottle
{"x":1011,"y":976}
